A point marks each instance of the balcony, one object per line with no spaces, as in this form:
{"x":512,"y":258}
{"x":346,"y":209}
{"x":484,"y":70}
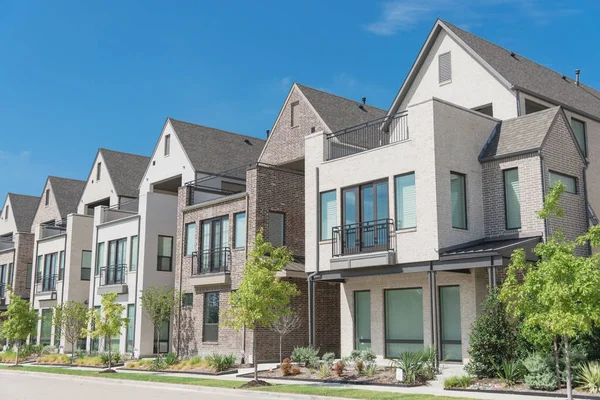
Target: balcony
{"x":211,"y":267}
{"x":113,"y":279}
{"x":365,"y":244}
{"x":6,"y":243}
{"x":55,"y":228}
{"x":45,"y":287}
{"x":367,"y":136}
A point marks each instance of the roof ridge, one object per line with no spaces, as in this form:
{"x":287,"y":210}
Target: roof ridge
{"x":121,"y":152}
{"x":65,"y":179}
{"x":19,"y":194}
{"x":338,"y":96}
{"x":216,"y":129}
{"x":537,"y":113}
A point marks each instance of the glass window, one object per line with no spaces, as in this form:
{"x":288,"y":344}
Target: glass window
{"x":458,"y":197}
{"x":165,"y":253}
{"x":215,"y":245}
{"x":47,"y":201}
{"x":9,"y":280}
{"x":163,"y":338}
{"x":134,"y":253}
{"x":86,"y":265}
{"x":277,"y":228}
{"x":450,"y":323}
{"x":95,"y":342}
{"x":402,"y":305}
{"x":98,"y":171}
{"x":46,"y":334}
{"x":570,"y":182}
{"x":115,"y":344}
{"x":61,"y":263}
{"x":328,"y":214}
{"x":579,"y":131}
{"x":362,"y":320}
{"x":211,"y":317}
{"x":130,"y":327}
{"x":512,"y":198}
{"x":406,"y":201}
{"x":28,"y":276}
{"x":167,"y":145}
{"x":190,"y":238}
{"x":99,"y":257}
{"x":188,"y":299}
{"x":240,"y":230}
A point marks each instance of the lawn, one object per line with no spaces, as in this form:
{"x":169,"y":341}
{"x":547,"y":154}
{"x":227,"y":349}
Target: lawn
{"x":230,"y":384}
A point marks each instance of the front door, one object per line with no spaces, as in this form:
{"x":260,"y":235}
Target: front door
{"x":450,"y":331}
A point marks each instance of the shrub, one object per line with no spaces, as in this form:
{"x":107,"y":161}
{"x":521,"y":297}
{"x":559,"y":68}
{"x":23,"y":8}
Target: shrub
{"x":30,"y":349}
{"x":510,"y":372}
{"x":288,"y":369}
{"x":411,"y":364}
{"x":116,"y":358}
{"x":589,"y":377}
{"x":220,"y":362}
{"x":457,"y":382}
{"x":339,"y":368}
{"x":91,"y":361}
{"x":323,"y":371}
{"x":196,"y":360}
{"x":307,"y":356}
{"x":48,"y":349}
{"x":171,"y":359}
{"x":492,"y":339}
{"x":360,"y":367}
{"x":157,"y":364}
{"x":371,"y":369}
{"x":104,"y":358}
{"x":54,"y":359}
{"x":540,"y":374}
{"x":328,"y":359}
{"x":429,"y":359}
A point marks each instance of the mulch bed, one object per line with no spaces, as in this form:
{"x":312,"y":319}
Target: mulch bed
{"x":383,"y":377}
{"x":254,"y":384}
{"x":79,"y":366}
{"x":496,"y":386}
{"x":184,"y":371}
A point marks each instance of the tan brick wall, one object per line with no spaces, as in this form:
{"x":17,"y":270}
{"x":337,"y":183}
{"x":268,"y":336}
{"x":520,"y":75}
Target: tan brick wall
{"x":20,"y":256}
{"x":45,"y":212}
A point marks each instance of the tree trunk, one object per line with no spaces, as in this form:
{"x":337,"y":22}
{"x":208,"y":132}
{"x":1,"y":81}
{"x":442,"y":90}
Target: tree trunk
{"x":254,"y":356}
{"x":280,"y":352}
{"x":568,"y":368}
{"x":17,"y":355}
{"x":109,"y":352}
{"x":158,"y":344}
{"x":72,"y":352}
{"x":556,"y":362}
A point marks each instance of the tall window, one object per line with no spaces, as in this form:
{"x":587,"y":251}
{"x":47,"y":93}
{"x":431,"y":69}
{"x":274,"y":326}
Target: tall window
{"x":402,"y":305}
{"x":211,"y":317}
{"x":451,"y":333}
{"x":240,"y":231}
{"x":215,"y":245}
{"x":6,"y":212}
{"x":98,"y":171}
{"x":47,"y":201}
{"x":130,"y":328}
{"x":46,"y":336}
{"x":580,"y":134}
{"x":11,"y":271}
{"x":276,"y":228}
{"x":512,"y":198}
{"x":95,"y":344}
{"x":293,"y":114}
{"x":133,"y":262}
{"x":163,"y":340}
{"x":362,"y":320}
{"x":99,"y":257}
{"x":570,"y":182}
{"x":86,"y":265}
{"x":2,"y":281}
{"x":39,"y":267}
{"x":190,"y":238}
{"x":28,"y":276}
{"x":167,"y":145}
{"x":165,"y":253}
{"x":61,"y":265}
{"x":406,"y":201}
{"x":445,"y":67}
{"x":458,"y":195}
{"x":328,"y":214}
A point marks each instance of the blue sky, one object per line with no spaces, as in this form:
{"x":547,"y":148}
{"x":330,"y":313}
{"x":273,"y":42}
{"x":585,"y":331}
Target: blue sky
{"x":79,"y":75}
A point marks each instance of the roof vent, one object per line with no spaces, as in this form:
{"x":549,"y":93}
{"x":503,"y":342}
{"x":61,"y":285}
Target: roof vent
{"x":268,"y":132}
{"x":364,"y":100}
{"x":577,"y":72}
{"x":247,"y":142}
{"x":564,"y":77}
{"x":513,"y":55}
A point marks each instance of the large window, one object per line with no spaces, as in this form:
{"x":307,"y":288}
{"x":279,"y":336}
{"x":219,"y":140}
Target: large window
{"x":403,"y":321}
{"x":130,"y":328}
{"x":450,"y":323}
{"x":211,"y":317}
{"x":276,"y":228}
{"x":86,"y":265}
{"x":190,"y":238}
{"x":570,"y":182}
{"x":46,"y":335}
{"x":99,"y":257}
{"x":512,"y":198}
{"x":362,"y":320}
{"x":239,"y":234}
{"x":328,"y":211}
{"x":61,"y":266}
{"x":458,"y":195}
{"x":406,"y":201}
{"x":165,"y":253}
{"x":133,"y":262}
{"x":163,"y":339}
{"x":580,"y":134}
{"x":215,"y":245}
{"x":117,"y":262}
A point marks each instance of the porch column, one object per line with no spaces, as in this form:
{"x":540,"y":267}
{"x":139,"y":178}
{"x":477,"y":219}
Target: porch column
{"x":433,"y":309}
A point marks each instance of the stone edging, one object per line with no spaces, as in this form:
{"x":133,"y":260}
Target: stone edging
{"x":576,"y":395}
{"x":364,"y":383}
{"x":169,"y":371}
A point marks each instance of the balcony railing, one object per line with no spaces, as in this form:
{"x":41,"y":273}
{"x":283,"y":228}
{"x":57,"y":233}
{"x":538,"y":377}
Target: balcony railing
{"x":113,"y":275}
{"x":367,"y":136}
{"x":54,"y":228}
{"x":211,"y":261}
{"x":46,"y":283}
{"x":364,"y":237}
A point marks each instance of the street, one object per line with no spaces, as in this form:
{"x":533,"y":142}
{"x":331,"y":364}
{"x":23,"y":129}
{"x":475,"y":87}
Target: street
{"x":32,"y":386}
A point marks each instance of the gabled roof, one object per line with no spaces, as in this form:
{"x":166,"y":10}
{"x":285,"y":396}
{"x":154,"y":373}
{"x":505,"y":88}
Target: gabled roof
{"x":126,"y":170}
{"x":519,"y":135}
{"x":23,"y":210}
{"x":338,"y":112}
{"x":213,"y":150}
{"x":67,"y":193}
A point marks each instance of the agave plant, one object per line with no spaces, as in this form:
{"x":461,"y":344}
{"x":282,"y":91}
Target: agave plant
{"x":412,"y":365}
{"x":510,"y":372}
{"x":589,"y":377}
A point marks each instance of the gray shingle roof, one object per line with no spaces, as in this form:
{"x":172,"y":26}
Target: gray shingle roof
{"x":338,"y":112}
{"x":531,"y":76}
{"x":213,"y":150}
{"x":518,"y":135}
{"x":126,"y":170}
{"x":23,"y":209}
{"x":67,"y":193}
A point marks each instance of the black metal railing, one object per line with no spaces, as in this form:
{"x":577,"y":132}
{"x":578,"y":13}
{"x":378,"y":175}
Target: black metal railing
{"x":366,"y":136}
{"x":363,"y":237}
{"x":113,"y":275}
{"x":211,"y":261}
{"x":46,"y":283}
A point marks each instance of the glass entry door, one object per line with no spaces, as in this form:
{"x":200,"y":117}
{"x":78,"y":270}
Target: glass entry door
{"x":117,"y":258}
{"x":450,"y":331}
{"x":215,"y":245}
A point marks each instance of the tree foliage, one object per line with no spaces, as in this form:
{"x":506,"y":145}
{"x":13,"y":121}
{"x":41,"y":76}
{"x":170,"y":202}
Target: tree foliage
{"x":21,"y":321}
{"x":71,"y":318}
{"x":108,"y":322}
{"x":159,"y":303}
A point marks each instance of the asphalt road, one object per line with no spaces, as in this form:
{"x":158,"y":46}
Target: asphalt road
{"x":32,"y":386}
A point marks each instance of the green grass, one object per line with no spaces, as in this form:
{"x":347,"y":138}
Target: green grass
{"x":230,"y":384}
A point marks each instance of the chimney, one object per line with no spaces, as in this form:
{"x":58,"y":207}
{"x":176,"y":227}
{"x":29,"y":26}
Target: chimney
{"x":364,"y":100}
{"x":577,"y":72}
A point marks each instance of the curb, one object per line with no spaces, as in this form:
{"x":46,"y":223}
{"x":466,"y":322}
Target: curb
{"x":339,"y":382}
{"x":581,"y":396}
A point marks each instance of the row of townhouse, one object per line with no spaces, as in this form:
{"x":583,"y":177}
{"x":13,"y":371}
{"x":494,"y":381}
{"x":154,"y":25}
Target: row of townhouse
{"x":399,"y":220}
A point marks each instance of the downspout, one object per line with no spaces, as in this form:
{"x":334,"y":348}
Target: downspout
{"x":37,"y":248}
{"x":311,"y":277}
{"x":137,"y":271}
{"x":587,"y":206}
{"x":518,"y":93}
{"x":181,"y":249}
{"x":62,"y":294}
{"x":246,"y":251}
{"x":542,"y":169}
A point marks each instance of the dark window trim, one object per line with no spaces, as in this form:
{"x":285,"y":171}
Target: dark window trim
{"x":385,"y":340}
{"x":439,"y":315}
{"x":504,"y":171}
{"x":235,"y":229}
{"x":292,"y":108}
{"x":204,"y":310}
{"x":97,"y":260}
{"x":82,"y":268}
{"x":585,"y":134}
{"x":137,"y":252}
{"x":169,"y":257}
{"x":551,"y":171}
{"x":466,"y":228}
{"x":354,"y":324}
{"x":131,"y":326}
{"x":395,"y":194}
{"x":359,"y":208}
{"x":321,"y":213}
{"x":283,"y":241}
{"x":185,"y":249}
{"x":47,"y":200}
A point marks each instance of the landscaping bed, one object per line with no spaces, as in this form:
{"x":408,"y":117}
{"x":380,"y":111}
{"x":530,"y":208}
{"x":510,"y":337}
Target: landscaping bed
{"x":211,"y":365}
{"x":85,"y":361}
{"x":488,"y":385}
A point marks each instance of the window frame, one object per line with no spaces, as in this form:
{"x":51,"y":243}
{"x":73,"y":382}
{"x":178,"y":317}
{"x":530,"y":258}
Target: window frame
{"x":354,"y":325}
{"x":395,"y":201}
{"x":504,"y":171}
{"x":131,"y":252}
{"x":441,"y":326}
{"x":10,"y":273}
{"x":158,"y":256}
{"x":464,"y":176}
{"x":205,"y":316}
{"x":334,"y":191}
{"x":186,"y":251}
{"x":99,"y":246}
{"x":283,"y":230}
{"x":83,"y":268}
{"x":358,"y":189}
{"x":385,"y":322}
{"x":98,"y":171}
{"x":167,"y":145}
{"x":185,"y":300}
{"x":292,"y":113}
{"x":130,"y":329}
{"x":61,"y":265}
{"x":6,"y":210}
{"x":585,"y":135}
{"x":235,"y":223}
{"x":553,"y":172}
{"x":47,"y":198}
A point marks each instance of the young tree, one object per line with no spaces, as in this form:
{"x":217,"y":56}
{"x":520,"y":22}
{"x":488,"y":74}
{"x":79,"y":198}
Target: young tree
{"x":21,"y":321}
{"x":159,"y":303}
{"x":261,"y":298}
{"x":108,"y":322}
{"x":558,"y":293}
{"x":287,"y":323}
{"x":71,"y":318}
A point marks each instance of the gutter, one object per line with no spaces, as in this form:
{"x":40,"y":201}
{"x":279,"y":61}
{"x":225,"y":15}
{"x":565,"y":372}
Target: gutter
{"x":182,"y":248}
{"x":587,"y":206}
{"x":542,"y":169}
